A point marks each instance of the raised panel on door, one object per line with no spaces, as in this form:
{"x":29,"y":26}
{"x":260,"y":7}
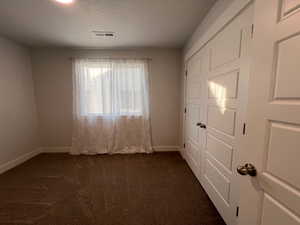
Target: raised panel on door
{"x":287,"y":72}
{"x":193,"y":80}
{"x":193,"y":91}
{"x":274,"y":118}
{"x":283,"y":149}
{"x":217,"y":181}
{"x":289,"y":6}
{"x":193,"y":117}
{"x":272,"y":207}
{"x":220,"y":150}
{"x":226,"y":47}
{"x":223,"y":87}
{"x":221,"y":119}
{"x":193,"y":158}
{"x":226,"y":83}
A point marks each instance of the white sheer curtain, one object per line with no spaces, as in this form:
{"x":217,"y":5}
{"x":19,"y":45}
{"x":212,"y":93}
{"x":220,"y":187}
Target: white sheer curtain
{"x":110,"y":106}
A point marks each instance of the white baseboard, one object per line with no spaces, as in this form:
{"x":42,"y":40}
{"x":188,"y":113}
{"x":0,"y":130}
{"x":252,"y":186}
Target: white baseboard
{"x":66,"y":149}
{"x":182,"y":153}
{"x":166,"y":148}
{"x":63,"y":149}
{"x":15,"y":162}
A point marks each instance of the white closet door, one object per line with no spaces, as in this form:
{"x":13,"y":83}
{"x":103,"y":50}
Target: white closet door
{"x":226,"y":66}
{"x":273,"y":132}
{"x":194,"y":114}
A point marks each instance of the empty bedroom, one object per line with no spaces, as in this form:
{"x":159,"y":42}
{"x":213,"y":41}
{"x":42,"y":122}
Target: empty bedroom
{"x":149,"y":112}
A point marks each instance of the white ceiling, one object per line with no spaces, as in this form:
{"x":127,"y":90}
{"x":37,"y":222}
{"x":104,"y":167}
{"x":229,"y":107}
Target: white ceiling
{"x":137,"y":23}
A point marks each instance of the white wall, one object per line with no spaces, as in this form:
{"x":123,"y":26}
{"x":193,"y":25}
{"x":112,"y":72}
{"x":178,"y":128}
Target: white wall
{"x":52,"y":71}
{"x":18,"y":118}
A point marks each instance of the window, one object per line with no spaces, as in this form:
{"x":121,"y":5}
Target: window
{"x":111,"y":87}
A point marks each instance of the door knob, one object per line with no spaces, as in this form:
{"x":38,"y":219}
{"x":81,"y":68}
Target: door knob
{"x":203,"y":126}
{"x":247,"y":169}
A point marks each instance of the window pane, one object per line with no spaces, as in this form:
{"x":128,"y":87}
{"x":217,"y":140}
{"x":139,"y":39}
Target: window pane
{"x":116,"y":88}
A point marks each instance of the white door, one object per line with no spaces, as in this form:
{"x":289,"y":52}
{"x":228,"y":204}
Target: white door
{"x":194,"y":99}
{"x":226,"y":67}
{"x":273,"y":126}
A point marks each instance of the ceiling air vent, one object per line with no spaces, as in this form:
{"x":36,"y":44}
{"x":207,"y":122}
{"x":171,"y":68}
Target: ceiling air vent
{"x":108,"y":34}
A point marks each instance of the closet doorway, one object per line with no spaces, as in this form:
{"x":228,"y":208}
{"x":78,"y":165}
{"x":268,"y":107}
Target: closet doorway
{"x":216,"y":87}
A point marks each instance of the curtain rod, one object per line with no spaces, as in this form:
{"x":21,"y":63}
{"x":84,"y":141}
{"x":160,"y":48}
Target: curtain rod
{"x":72,"y":58}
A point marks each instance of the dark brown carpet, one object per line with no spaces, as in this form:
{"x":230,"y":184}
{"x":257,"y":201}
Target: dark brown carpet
{"x":59,"y":189}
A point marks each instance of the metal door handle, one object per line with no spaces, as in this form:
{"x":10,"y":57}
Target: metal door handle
{"x":203,"y":126}
{"x":247,"y":169}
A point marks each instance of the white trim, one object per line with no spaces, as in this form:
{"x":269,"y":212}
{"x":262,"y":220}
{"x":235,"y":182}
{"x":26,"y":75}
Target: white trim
{"x":21,"y":159}
{"x":166,"y":148}
{"x":230,"y":13}
{"x":63,"y":149}
{"x":66,"y":149}
{"x":183,"y":153}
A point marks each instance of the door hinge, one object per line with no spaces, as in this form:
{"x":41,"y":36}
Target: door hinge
{"x":186,"y":72}
{"x":252,"y":30}
{"x":184,"y":145}
{"x":237,"y":211}
{"x":244,"y":129}
{"x":184,"y":110}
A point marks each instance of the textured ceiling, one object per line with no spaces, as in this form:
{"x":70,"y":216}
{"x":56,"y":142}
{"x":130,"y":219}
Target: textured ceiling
{"x":137,"y":23}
